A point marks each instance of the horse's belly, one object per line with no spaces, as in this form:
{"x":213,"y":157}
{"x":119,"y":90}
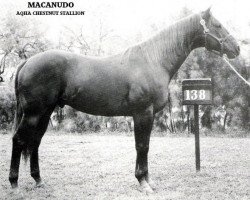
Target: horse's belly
{"x":99,"y":108}
{"x":99,"y":101}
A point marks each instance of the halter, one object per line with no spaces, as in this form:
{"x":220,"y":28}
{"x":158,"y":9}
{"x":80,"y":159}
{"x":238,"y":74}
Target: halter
{"x":219,"y":40}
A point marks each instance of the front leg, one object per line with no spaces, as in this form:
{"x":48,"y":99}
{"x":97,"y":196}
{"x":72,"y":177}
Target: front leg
{"x":143,"y":123}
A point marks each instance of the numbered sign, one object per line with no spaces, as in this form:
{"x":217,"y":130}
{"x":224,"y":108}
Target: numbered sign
{"x":197,"y":91}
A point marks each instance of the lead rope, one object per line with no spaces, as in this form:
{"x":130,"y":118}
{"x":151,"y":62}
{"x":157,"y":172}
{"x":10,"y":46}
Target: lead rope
{"x":242,"y":78}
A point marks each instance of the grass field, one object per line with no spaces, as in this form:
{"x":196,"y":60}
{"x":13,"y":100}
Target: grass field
{"x":102,"y":167}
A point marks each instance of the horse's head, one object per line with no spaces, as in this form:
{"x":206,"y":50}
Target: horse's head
{"x":216,"y":37}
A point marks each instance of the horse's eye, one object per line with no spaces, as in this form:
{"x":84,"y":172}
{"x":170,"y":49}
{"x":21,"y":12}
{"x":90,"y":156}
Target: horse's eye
{"x":218,"y":25}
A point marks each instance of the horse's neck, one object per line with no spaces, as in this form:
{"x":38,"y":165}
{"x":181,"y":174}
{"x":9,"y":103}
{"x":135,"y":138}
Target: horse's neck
{"x":170,"y":47}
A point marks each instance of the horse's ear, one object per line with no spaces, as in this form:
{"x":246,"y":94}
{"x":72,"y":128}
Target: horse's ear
{"x":207,"y":13}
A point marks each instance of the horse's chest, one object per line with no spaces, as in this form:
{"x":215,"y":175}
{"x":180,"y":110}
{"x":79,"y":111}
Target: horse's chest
{"x":160,"y":98}
{"x":150,"y":93}
{"x":160,"y":91}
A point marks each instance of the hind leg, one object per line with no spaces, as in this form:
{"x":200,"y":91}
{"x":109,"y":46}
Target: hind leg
{"x":19,"y":144}
{"x":34,"y":164}
{"x":34,"y":156}
{"x":26,"y":139}
{"x":15,"y":160}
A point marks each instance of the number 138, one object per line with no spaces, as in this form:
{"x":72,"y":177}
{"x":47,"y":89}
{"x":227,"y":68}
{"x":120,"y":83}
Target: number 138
{"x":195,"y":94}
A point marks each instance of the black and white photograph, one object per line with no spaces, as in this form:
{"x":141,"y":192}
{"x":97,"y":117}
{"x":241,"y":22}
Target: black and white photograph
{"x":125,"y":100}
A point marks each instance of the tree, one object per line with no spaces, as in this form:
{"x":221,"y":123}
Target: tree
{"x":19,"y":40}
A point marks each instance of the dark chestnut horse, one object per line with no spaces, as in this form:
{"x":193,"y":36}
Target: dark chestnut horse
{"x":133,"y":83}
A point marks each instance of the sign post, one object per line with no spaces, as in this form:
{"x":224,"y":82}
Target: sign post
{"x":197,"y":137}
{"x":197,"y":92}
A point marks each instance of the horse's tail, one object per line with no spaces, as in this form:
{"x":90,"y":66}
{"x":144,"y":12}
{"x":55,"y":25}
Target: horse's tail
{"x":19,"y":111}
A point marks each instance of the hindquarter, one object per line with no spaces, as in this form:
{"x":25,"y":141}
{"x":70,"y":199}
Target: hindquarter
{"x":40,"y":82}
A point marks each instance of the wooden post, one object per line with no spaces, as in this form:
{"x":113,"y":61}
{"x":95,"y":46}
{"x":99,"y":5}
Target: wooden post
{"x":197,"y":138}
{"x":197,"y":92}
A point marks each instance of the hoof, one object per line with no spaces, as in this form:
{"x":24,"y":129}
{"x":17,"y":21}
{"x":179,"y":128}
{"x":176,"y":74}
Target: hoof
{"x":17,"y":193}
{"x":151,"y":183}
{"x":14,"y":186}
{"x":145,"y":187}
{"x":40,"y":184}
{"x":148,"y":191}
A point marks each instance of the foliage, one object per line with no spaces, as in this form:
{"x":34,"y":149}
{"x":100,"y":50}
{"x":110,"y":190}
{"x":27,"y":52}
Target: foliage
{"x":7,"y":106}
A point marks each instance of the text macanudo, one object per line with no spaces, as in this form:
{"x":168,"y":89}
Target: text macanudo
{"x":50,"y":4}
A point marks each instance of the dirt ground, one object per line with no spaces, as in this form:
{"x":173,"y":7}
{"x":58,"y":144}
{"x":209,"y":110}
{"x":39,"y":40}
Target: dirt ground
{"x":102,"y":167}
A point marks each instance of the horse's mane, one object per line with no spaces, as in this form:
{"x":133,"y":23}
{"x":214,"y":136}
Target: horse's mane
{"x":170,"y":43}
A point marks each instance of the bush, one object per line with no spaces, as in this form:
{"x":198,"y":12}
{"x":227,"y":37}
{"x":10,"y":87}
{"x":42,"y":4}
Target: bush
{"x":7,"y":106}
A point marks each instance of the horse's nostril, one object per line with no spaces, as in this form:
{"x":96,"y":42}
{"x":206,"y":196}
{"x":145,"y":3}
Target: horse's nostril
{"x":238,"y":48}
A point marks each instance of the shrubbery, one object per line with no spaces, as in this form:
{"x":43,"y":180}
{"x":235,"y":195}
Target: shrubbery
{"x":7,"y":106}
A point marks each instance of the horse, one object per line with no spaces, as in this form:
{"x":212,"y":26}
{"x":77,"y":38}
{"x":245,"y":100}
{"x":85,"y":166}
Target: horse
{"x":132,"y":83}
